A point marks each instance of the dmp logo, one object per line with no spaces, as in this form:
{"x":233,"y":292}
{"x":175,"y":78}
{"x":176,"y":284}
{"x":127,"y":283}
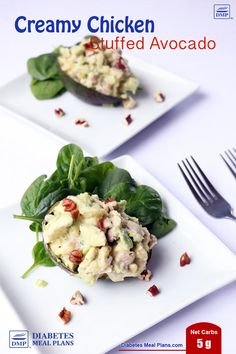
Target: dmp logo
{"x":222,"y":11}
{"x":19,"y":339}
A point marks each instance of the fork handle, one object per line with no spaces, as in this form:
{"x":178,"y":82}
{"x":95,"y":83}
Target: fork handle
{"x":231,"y":217}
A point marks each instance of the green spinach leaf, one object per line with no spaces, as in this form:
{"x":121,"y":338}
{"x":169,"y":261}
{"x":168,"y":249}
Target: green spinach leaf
{"x":90,"y":161}
{"x":43,"y":67}
{"x":29,"y":200}
{"x":49,"y":186}
{"x":121,"y":191}
{"x":94,"y":175}
{"x":40,"y":257}
{"x":112,"y":178}
{"x":162,"y":226}
{"x":46,"y":89}
{"x":50,"y":199}
{"x":69,"y":159}
{"x":145,"y":204}
{"x":35,"y":227}
{"x":46,"y":82}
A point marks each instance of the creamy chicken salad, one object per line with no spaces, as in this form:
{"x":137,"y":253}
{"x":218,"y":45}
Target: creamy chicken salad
{"x":95,"y":238}
{"x":105,"y":71}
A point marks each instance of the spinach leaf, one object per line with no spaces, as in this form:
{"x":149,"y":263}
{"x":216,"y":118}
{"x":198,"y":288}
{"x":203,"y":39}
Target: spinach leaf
{"x":81,"y":185}
{"x":49,"y":186}
{"x":35,"y":227}
{"x":29,"y":200}
{"x":162,"y":226}
{"x":69,"y":159}
{"x":90,"y":161}
{"x":40,"y":257}
{"x":145,"y":204}
{"x":112,"y":178}
{"x":50,"y":199}
{"x":94,"y":175}
{"x":34,"y":219}
{"x":46,"y":82}
{"x":121,"y":191}
{"x":76,"y":174}
{"x":43,"y":67}
{"x":46,"y":89}
{"x":55,"y":177}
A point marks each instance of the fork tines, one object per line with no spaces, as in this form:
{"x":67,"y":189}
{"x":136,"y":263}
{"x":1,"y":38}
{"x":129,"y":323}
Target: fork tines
{"x":199,"y":184}
{"x":229,"y":158}
{"x":203,"y":190}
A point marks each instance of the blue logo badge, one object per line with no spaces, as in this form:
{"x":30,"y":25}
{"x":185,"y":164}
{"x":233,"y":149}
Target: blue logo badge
{"x":222,"y":11}
{"x":19,"y":339}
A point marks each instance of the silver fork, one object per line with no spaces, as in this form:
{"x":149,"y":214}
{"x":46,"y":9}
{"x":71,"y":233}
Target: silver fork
{"x":230,"y":160}
{"x":204,"y":192}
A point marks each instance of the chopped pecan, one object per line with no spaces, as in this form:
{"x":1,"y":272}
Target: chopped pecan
{"x":76,"y":257}
{"x":88,"y":46}
{"x":159,"y":97}
{"x":64,"y":315}
{"x":128,"y":120}
{"x":120,"y":64}
{"x":145,"y":275}
{"x":70,"y":206}
{"x":100,"y":224}
{"x":77,"y":299}
{"x":184,"y":259}
{"x":59,"y":112}
{"x":153,"y":290}
{"x":108,"y":200}
{"x":82,"y":122}
{"x":75,"y":213}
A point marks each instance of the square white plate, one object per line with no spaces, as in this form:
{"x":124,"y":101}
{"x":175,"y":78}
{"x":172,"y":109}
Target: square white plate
{"x":115,"y":311}
{"x":107,"y":130}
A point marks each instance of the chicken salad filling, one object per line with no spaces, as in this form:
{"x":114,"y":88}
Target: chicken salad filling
{"x":95,"y":238}
{"x":105,"y":71}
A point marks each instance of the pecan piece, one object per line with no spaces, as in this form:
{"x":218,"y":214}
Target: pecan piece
{"x":120,"y":64}
{"x":77,"y":298}
{"x":145,"y":275}
{"x":64,"y":316}
{"x":159,"y":97}
{"x":100,"y":224}
{"x":84,"y":123}
{"x":128,"y":120}
{"x":76,"y":257}
{"x":153,"y":290}
{"x":184,"y":259}
{"x":70,"y":206}
{"x":108,"y":200}
{"x":75,"y":213}
{"x":59,"y":112}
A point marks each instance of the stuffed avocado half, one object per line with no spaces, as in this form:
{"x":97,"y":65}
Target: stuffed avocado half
{"x":96,"y":221}
{"x":98,"y":77}
{"x":95,"y":238}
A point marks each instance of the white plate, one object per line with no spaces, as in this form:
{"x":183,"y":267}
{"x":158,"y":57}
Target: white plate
{"x":115,"y":311}
{"x":106,"y":131}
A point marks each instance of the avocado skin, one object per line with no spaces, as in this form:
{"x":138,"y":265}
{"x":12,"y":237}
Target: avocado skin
{"x":149,"y":256}
{"x":86,"y":94}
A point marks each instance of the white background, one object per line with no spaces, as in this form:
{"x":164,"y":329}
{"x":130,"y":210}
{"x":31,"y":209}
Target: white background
{"x":204,"y":125}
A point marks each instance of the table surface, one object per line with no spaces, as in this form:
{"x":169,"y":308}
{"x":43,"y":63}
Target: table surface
{"x":204,"y":125}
